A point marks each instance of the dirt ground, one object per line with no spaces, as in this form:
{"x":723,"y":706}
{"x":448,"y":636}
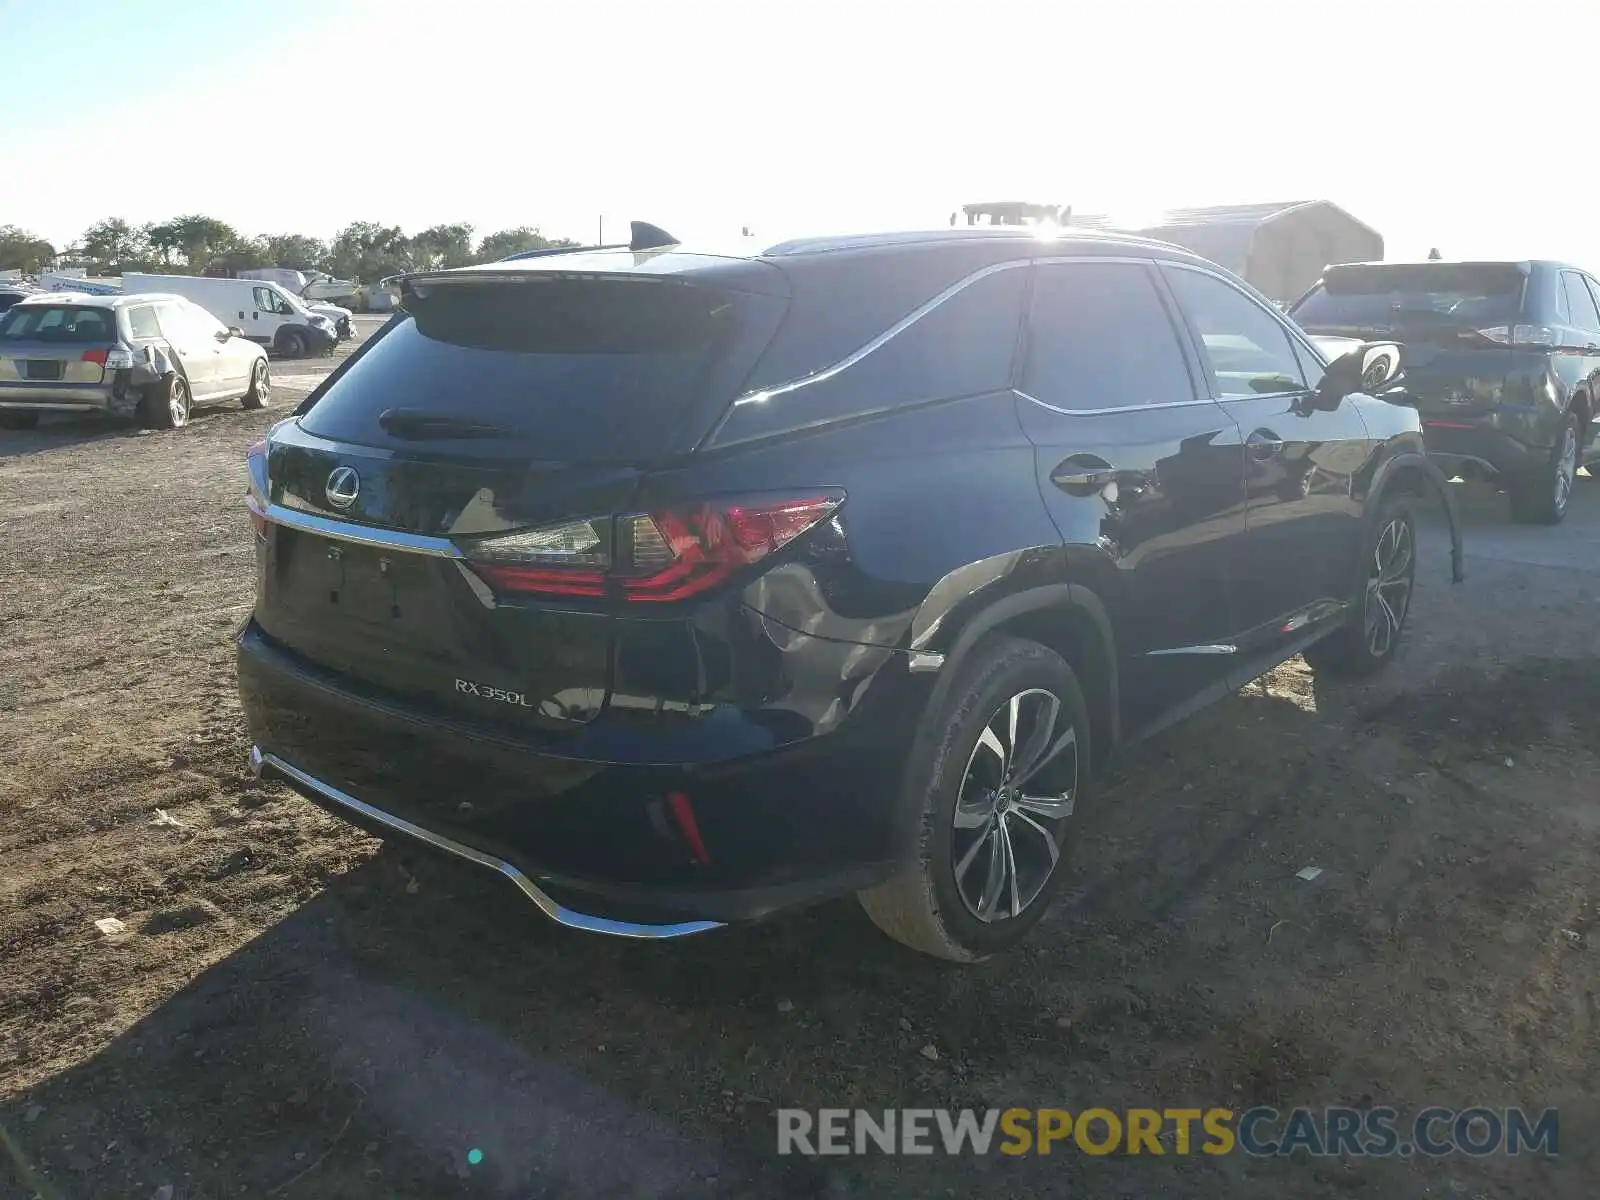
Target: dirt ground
{"x":294,"y":1009}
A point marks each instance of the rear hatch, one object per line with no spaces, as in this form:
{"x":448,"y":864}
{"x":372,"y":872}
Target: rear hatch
{"x":481,"y":447}
{"x":1455,"y":320}
{"x":48,"y":349}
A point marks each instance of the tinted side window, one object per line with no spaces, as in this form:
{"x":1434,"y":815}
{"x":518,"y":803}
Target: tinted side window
{"x":963,"y":347}
{"x":1247,"y":351}
{"x":142,"y":322}
{"x":1579,"y":303}
{"x":1099,"y":337}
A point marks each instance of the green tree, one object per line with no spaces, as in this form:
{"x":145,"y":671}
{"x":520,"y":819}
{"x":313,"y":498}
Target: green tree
{"x":163,"y":239}
{"x":113,"y":246}
{"x":24,"y":251}
{"x":514,"y":241}
{"x":366,"y":252}
{"x":442,"y":246}
{"x":245,"y":254}
{"x":295,"y":251}
{"x":203,"y":238}
{"x":196,"y":238}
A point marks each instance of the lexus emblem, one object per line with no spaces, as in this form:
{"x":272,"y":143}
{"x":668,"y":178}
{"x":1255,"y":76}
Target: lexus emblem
{"x":344,"y":485}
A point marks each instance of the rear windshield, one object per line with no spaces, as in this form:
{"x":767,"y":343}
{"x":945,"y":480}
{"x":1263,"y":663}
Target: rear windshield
{"x":58,"y":323}
{"x":1387,"y":296}
{"x":585,"y":369}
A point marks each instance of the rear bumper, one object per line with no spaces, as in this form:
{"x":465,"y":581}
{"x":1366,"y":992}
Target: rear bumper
{"x":595,"y":845}
{"x":58,"y":397}
{"x":1478,"y":450}
{"x":378,"y":821}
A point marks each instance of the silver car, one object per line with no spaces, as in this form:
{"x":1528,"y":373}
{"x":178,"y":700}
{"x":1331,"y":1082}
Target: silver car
{"x":151,"y":357}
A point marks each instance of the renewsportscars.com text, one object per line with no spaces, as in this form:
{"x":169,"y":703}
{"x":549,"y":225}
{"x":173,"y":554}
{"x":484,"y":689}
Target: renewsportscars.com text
{"x":1261,"y":1132}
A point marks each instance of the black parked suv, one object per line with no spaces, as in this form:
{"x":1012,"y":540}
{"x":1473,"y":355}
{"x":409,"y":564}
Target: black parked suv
{"x":1501,"y":358}
{"x":681,"y":588}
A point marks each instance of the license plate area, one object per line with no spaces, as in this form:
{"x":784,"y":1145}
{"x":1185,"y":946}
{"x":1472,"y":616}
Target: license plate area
{"x":41,"y":368}
{"x":371,"y":587}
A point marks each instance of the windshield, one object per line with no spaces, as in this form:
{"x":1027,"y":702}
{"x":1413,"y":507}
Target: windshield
{"x":58,"y":323}
{"x":1383,"y":297}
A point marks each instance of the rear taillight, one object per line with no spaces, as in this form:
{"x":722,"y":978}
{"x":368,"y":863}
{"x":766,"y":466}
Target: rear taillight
{"x":115,"y":358}
{"x":255,"y":461}
{"x":657,"y":557}
{"x":1521,"y":335}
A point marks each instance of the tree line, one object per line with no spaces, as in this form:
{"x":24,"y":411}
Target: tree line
{"x":365,"y":251}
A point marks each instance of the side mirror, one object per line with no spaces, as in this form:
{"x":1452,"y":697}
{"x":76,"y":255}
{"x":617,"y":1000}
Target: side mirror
{"x":232,"y":331}
{"x":1371,"y":367}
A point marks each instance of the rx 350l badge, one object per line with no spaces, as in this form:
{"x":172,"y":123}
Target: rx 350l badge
{"x":484,"y":692}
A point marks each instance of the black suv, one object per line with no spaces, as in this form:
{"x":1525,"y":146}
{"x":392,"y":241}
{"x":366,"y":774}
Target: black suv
{"x":682,"y":588}
{"x":1502,"y":359}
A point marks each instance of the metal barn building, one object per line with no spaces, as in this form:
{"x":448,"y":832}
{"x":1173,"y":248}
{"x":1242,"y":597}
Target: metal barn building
{"x":1281,"y":248}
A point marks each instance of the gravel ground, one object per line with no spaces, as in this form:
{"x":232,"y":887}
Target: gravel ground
{"x":295,"y":1009}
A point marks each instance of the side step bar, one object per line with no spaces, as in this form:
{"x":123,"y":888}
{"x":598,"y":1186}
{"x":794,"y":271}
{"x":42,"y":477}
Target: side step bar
{"x":262,"y":763}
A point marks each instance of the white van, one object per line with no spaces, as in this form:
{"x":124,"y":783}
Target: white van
{"x":317,"y":292}
{"x":263,"y":311}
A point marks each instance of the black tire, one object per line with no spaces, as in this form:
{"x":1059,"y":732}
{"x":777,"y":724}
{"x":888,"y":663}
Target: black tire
{"x":937,"y":903}
{"x":260,"y":393}
{"x":293,"y":344}
{"x":166,"y":405}
{"x":1542,"y":497}
{"x":1367,"y":642}
{"x":19,"y":420}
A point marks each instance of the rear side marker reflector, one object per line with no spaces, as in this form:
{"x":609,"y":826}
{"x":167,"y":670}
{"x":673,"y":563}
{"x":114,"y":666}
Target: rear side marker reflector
{"x":656,"y":557}
{"x":683,"y":814}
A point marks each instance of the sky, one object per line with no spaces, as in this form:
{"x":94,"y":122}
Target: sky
{"x":1448,"y":125}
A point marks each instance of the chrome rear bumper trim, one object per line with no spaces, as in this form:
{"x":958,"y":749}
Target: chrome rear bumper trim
{"x":261,"y":762}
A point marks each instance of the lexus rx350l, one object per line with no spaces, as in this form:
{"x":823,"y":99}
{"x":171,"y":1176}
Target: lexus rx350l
{"x":682,"y":588}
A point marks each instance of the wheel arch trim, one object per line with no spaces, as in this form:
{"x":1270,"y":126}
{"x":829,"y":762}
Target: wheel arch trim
{"x":1391,"y":468}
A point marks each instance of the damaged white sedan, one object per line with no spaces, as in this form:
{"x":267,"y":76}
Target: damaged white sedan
{"x":152,"y":358}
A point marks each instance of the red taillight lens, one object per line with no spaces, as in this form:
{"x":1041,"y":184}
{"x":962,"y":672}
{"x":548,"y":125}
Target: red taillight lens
{"x":566,"y":560}
{"x":651,"y":557}
{"x":681,"y":552}
{"x":95,"y":356}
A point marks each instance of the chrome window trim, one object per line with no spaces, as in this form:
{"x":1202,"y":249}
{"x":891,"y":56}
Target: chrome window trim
{"x":761,"y":395}
{"x":1126,"y":408}
{"x":261,"y":762}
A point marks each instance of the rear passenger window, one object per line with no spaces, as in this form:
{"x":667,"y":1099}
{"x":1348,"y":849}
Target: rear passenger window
{"x":962,"y":347}
{"x":1247,"y":350}
{"x":1579,"y":303}
{"x":1099,"y":337}
{"x":142,"y":321}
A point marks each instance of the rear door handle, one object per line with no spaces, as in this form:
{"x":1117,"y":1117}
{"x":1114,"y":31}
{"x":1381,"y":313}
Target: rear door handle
{"x":1264,"y":444}
{"x":1076,"y":477}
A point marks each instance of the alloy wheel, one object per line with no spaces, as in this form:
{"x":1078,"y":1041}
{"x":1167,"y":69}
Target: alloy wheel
{"x":263,"y":384}
{"x":1566,"y":467}
{"x":1016,"y":795}
{"x":178,"y":402}
{"x":1389,"y":582}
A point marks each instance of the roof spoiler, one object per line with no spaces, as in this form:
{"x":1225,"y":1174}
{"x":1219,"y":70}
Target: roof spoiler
{"x":644,"y":236}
